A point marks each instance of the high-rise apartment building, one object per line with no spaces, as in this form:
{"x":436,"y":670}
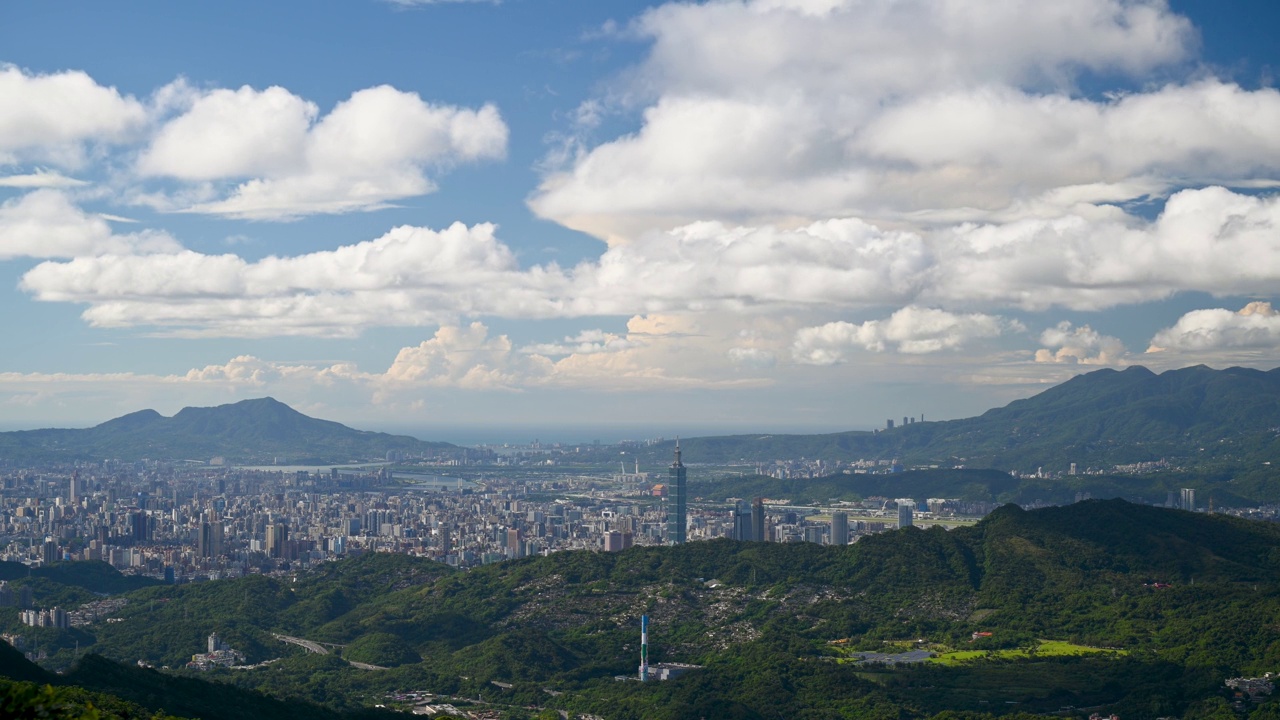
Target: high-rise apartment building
{"x":839,"y":529}
{"x":906,"y":512}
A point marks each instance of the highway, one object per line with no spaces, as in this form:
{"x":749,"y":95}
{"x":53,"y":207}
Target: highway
{"x":320,"y":649}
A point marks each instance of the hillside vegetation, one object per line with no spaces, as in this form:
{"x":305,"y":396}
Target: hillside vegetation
{"x":775,"y":629}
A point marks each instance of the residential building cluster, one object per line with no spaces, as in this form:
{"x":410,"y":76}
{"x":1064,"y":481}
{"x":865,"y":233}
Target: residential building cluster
{"x":52,"y":618}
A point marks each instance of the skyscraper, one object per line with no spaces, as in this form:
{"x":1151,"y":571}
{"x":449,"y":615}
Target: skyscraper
{"x":211,"y":536}
{"x":839,"y":528}
{"x":758,"y":532}
{"x":138,"y":526}
{"x":742,"y":521}
{"x":1188,"y":499}
{"x":677,"y":501}
{"x":277,"y":535}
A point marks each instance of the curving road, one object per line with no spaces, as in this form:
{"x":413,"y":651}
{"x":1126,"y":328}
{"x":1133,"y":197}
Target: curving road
{"x":314,"y":647}
{"x":319,"y":649}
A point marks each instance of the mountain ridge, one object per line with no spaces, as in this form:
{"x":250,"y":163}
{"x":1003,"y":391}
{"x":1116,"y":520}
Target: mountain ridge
{"x":1098,"y":419}
{"x":258,"y":429}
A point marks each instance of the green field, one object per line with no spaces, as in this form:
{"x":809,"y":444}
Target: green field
{"x":1046,"y":648}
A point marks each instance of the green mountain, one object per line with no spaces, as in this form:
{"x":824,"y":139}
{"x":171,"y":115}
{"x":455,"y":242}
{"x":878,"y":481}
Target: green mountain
{"x":248,"y":431}
{"x":1148,"y":611}
{"x":1194,"y":417}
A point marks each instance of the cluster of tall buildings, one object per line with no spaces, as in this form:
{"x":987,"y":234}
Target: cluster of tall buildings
{"x":51,"y":618}
{"x":179,"y":522}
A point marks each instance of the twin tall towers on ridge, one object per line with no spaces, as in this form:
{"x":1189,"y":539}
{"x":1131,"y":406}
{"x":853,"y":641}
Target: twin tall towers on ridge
{"x":677,"y":501}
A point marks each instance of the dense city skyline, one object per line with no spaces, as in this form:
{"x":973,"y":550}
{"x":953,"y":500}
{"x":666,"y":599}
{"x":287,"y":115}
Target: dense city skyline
{"x":779,"y":215}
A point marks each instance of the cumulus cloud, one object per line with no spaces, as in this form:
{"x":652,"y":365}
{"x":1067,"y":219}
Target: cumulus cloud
{"x":765,"y":111}
{"x":910,"y":330}
{"x":247,"y":370}
{"x":284,"y":160}
{"x":470,"y":357}
{"x":46,"y":224}
{"x":52,"y":117}
{"x":456,"y":357}
{"x":1210,"y":240}
{"x":466,"y":357}
{"x":232,"y":133}
{"x":1080,"y":345}
{"x":1256,"y":326}
{"x":408,"y":277}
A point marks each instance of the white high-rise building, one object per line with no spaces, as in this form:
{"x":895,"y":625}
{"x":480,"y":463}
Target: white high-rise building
{"x":906,"y":512}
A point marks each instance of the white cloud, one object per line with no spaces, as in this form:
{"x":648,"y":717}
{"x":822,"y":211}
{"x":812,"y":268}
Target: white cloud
{"x":46,"y":224}
{"x":1080,"y":345}
{"x":586,"y":342}
{"x":40,"y":179}
{"x":466,"y":357}
{"x":1256,"y":326}
{"x":469,"y":357}
{"x":750,"y":357}
{"x":50,"y":118}
{"x":247,"y":370}
{"x":232,"y":133}
{"x":378,"y":146}
{"x":760,"y":112}
{"x":910,"y":330}
{"x":408,"y":277}
{"x":1209,"y":240}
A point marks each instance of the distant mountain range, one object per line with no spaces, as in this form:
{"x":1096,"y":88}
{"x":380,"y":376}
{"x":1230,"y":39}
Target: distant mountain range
{"x":1195,"y":417}
{"x":260,"y":430}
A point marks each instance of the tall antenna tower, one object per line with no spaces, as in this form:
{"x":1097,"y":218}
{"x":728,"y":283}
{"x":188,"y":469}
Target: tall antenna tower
{"x":644,"y":648}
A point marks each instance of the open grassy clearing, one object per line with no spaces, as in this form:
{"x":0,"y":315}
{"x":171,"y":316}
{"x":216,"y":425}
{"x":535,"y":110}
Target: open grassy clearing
{"x":1046,"y":648}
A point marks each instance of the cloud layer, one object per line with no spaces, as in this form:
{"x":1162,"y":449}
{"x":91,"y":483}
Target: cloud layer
{"x":1210,"y":240}
{"x":927,"y":110}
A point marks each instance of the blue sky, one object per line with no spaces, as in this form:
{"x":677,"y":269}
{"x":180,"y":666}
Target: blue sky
{"x":613,"y":218}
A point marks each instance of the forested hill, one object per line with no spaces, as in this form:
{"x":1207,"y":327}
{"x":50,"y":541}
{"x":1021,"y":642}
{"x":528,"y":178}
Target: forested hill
{"x":257,"y":430}
{"x":1165,"y":604}
{"x":1195,"y":416}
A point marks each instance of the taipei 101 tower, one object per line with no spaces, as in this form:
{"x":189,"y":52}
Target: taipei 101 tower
{"x":677,"y":500}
